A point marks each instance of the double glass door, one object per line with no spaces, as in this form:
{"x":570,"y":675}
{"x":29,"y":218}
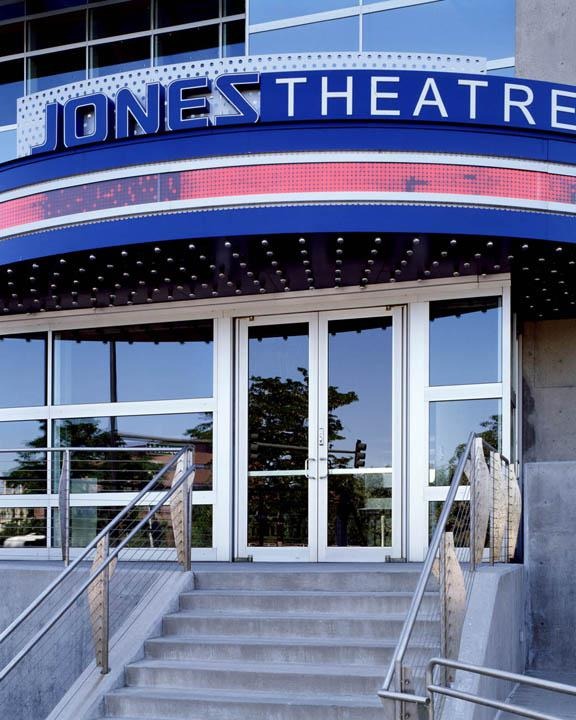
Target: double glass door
{"x":319,"y":435}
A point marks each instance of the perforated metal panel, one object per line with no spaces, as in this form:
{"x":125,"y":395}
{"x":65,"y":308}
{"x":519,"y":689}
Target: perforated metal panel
{"x":31,"y":109}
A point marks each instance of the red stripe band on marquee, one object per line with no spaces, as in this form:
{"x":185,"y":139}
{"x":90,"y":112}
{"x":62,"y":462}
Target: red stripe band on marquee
{"x":300,"y":178}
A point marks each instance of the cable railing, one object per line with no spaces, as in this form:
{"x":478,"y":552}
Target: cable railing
{"x":478,"y":523}
{"x":68,"y":494}
{"x":73,"y":622}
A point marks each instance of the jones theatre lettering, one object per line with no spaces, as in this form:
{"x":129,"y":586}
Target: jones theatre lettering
{"x":251,"y":97}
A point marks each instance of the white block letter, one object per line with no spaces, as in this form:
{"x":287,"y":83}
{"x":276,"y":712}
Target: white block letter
{"x":562,"y":109}
{"x":473,"y":85}
{"x":291,"y":82}
{"x":377,"y":94}
{"x":435,"y":101}
{"x":346,"y":95}
{"x":522,"y":105}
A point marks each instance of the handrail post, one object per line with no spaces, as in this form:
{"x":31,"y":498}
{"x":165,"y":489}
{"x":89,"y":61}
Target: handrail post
{"x":105,"y":667}
{"x":187,"y":526}
{"x":64,"y":507}
{"x":473,"y":507}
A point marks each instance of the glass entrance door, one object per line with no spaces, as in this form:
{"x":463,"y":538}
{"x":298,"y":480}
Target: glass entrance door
{"x":319,"y":434}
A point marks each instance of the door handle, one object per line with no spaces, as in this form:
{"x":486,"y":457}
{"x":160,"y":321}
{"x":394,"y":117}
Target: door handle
{"x":307,"y":466}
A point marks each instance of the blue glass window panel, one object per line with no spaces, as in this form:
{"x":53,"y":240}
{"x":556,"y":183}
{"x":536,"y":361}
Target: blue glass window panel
{"x":465,"y":346}
{"x":81,"y":371}
{"x":465,"y":27}
{"x":176,"y":12}
{"x":327,"y":36}
{"x":233,"y":7}
{"x":12,"y":38}
{"x":7,"y":145}
{"x":451,"y":423}
{"x":55,"y":69}
{"x":234,"y":39}
{"x":268,"y":10}
{"x":120,"y":56}
{"x":23,"y":472}
{"x":11,"y":88}
{"x":148,"y":362}
{"x":11,"y":10}
{"x":165,"y":370}
{"x":123,"y":19}
{"x":54,"y":30}
{"x":187,"y":45}
{"x":22,"y":370}
{"x":40,"y":6}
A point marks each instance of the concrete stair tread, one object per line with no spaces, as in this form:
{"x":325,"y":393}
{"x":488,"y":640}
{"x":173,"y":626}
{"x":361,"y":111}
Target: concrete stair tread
{"x":303,"y":593}
{"x":268,"y":615}
{"x":288,"y":640}
{"x":252,"y":696}
{"x":264,"y":667}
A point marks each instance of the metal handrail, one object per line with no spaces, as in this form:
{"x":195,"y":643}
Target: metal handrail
{"x":105,"y":531}
{"x":543,"y":684}
{"x":101,"y":568}
{"x":410,"y":621}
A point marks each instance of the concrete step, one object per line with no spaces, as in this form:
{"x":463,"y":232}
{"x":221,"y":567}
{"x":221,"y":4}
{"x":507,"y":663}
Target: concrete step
{"x":290,"y":601}
{"x":395,"y":578}
{"x":300,"y":679}
{"x":286,"y":649}
{"x":281,"y":624}
{"x":221,"y":705}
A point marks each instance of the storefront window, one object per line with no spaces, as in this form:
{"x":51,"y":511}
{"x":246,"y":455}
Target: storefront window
{"x":145,"y":362}
{"x":451,"y":422}
{"x":22,"y":370}
{"x":22,"y":527}
{"x":465,"y":341}
{"x":23,"y":472}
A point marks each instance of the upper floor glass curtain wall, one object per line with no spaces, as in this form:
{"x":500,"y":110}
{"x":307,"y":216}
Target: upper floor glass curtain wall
{"x":465,"y":27}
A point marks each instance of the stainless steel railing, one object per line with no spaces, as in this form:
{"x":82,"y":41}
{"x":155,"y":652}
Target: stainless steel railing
{"x":76,"y":616}
{"x":433,"y":689}
{"x":478,"y":523}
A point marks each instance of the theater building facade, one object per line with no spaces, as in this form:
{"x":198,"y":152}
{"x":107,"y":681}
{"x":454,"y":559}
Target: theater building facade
{"x":275,"y":234}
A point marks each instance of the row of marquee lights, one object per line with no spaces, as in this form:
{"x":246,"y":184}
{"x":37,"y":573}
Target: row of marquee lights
{"x":545,"y":280}
{"x":247,"y":98}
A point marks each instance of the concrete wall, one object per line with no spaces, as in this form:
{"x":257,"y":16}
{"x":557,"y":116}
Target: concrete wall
{"x":493,"y":636}
{"x":545,"y":32}
{"x":549,"y":390}
{"x":550,"y":510}
{"x":21,"y":583}
{"x":45,"y":674}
